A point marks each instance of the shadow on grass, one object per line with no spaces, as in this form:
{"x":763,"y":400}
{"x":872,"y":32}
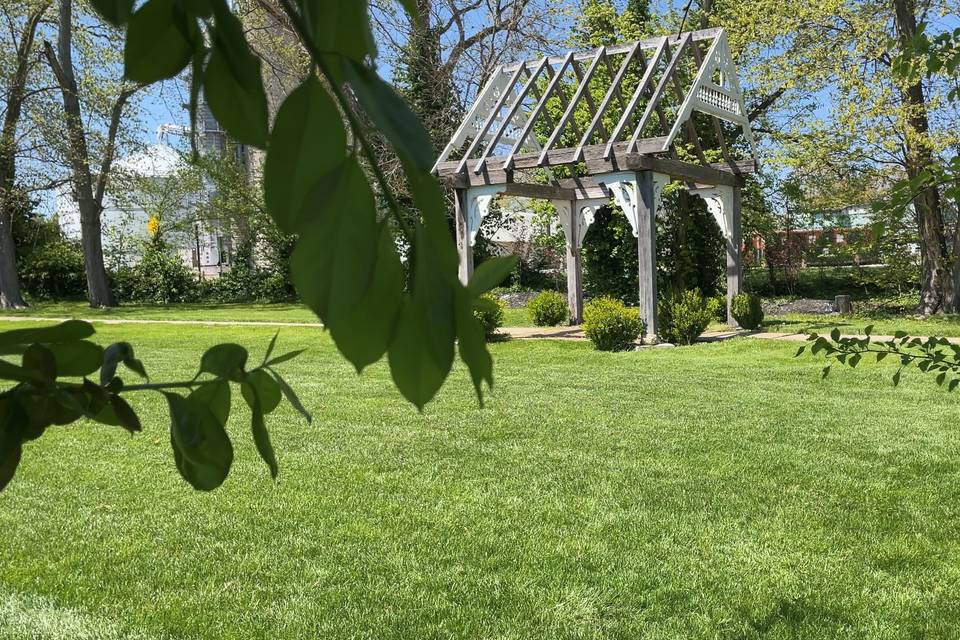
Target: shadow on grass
{"x":793,"y":614}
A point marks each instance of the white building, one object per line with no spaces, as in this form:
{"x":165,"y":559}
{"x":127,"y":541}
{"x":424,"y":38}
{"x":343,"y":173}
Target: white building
{"x":202,"y":246}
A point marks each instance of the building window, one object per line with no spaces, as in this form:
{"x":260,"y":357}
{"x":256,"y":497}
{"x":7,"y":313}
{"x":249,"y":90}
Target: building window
{"x":839,"y":238}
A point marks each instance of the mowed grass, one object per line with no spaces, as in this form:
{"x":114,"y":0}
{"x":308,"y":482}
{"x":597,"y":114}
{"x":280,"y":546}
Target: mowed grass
{"x":246,"y":312}
{"x":715,"y":491}
{"x":513,"y":317}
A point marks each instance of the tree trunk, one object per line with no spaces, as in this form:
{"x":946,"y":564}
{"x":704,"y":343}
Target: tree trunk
{"x":99,"y":293}
{"x":10,"y":295}
{"x":938,"y":287}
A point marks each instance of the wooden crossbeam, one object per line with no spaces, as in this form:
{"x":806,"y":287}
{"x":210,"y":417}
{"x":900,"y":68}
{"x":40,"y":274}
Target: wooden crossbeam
{"x":614,"y":89}
{"x":582,"y":87}
{"x":693,"y":137}
{"x":641,"y":89}
{"x":475,"y":144}
{"x":509,"y":160}
{"x":661,"y":88}
{"x":648,"y":43}
{"x":510,"y":114}
{"x":715,"y":174}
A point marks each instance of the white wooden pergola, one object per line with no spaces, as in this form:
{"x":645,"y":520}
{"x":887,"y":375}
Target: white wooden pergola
{"x":629,"y":110}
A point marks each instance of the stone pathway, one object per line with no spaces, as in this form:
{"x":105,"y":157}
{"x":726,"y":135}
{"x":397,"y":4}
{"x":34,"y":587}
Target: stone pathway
{"x":576,"y":333}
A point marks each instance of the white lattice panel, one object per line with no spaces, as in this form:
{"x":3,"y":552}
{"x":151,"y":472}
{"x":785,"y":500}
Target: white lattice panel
{"x":718,"y":99}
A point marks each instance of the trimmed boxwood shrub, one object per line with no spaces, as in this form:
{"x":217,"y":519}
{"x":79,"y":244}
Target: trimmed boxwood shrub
{"x":548,"y":309}
{"x":488,"y":310}
{"x":684,"y":316}
{"x":747,"y":310}
{"x":718,"y":307}
{"x":611,"y":325}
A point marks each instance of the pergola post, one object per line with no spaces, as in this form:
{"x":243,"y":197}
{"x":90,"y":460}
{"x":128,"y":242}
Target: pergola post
{"x":734,"y":256}
{"x":464,"y":248}
{"x":574,"y":267}
{"x":647,"y":251}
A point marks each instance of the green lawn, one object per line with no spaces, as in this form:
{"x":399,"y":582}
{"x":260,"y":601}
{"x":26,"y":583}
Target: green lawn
{"x":715,"y":491}
{"x":297,"y":313}
{"x":291,"y":312}
{"x":519,"y":317}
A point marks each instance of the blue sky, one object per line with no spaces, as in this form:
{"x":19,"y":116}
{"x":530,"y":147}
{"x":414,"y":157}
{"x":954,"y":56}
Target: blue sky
{"x":164,"y":108}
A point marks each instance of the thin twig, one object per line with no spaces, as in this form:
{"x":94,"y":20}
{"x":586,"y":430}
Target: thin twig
{"x":355,"y":125}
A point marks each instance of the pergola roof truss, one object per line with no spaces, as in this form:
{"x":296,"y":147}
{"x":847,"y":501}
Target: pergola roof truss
{"x":636,"y":98}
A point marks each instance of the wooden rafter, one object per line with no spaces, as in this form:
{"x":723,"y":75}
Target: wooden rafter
{"x":512,"y":109}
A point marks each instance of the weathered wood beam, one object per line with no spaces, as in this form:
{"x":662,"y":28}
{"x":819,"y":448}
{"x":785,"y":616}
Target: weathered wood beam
{"x":712,"y":175}
{"x":555,"y":157}
{"x":514,"y":108}
{"x":719,"y":173}
{"x":645,"y":81}
{"x":649,"y":43}
{"x":582,"y":188}
{"x":517,"y":189}
{"x":666,"y":78}
{"x":611,"y":92}
{"x":554,"y":83}
{"x":583,"y":87}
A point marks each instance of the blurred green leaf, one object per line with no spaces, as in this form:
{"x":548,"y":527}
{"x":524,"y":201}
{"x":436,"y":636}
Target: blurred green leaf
{"x":116,"y":12}
{"x":240,"y":108}
{"x":291,"y":396}
{"x":201,"y":448}
{"x":416,"y":372}
{"x":225,"y":361}
{"x":392,"y":116}
{"x":113,"y":356}
{"x":261,"y":437}
{"x":216,"y":396}
{"x":160,"y":42}
{"x":306,"y":144}
{"x":340,"y":27}
{"x":270,"y":348}
{"x":283,"y":358}
{"x":472,"y":343}
{"x":75,"y":359}
{"x":268,"y":392}
{"x":233,"y":84}
{"x":491,"y":273}
{"x":347,"y":270}
{"x":118,"y":413}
